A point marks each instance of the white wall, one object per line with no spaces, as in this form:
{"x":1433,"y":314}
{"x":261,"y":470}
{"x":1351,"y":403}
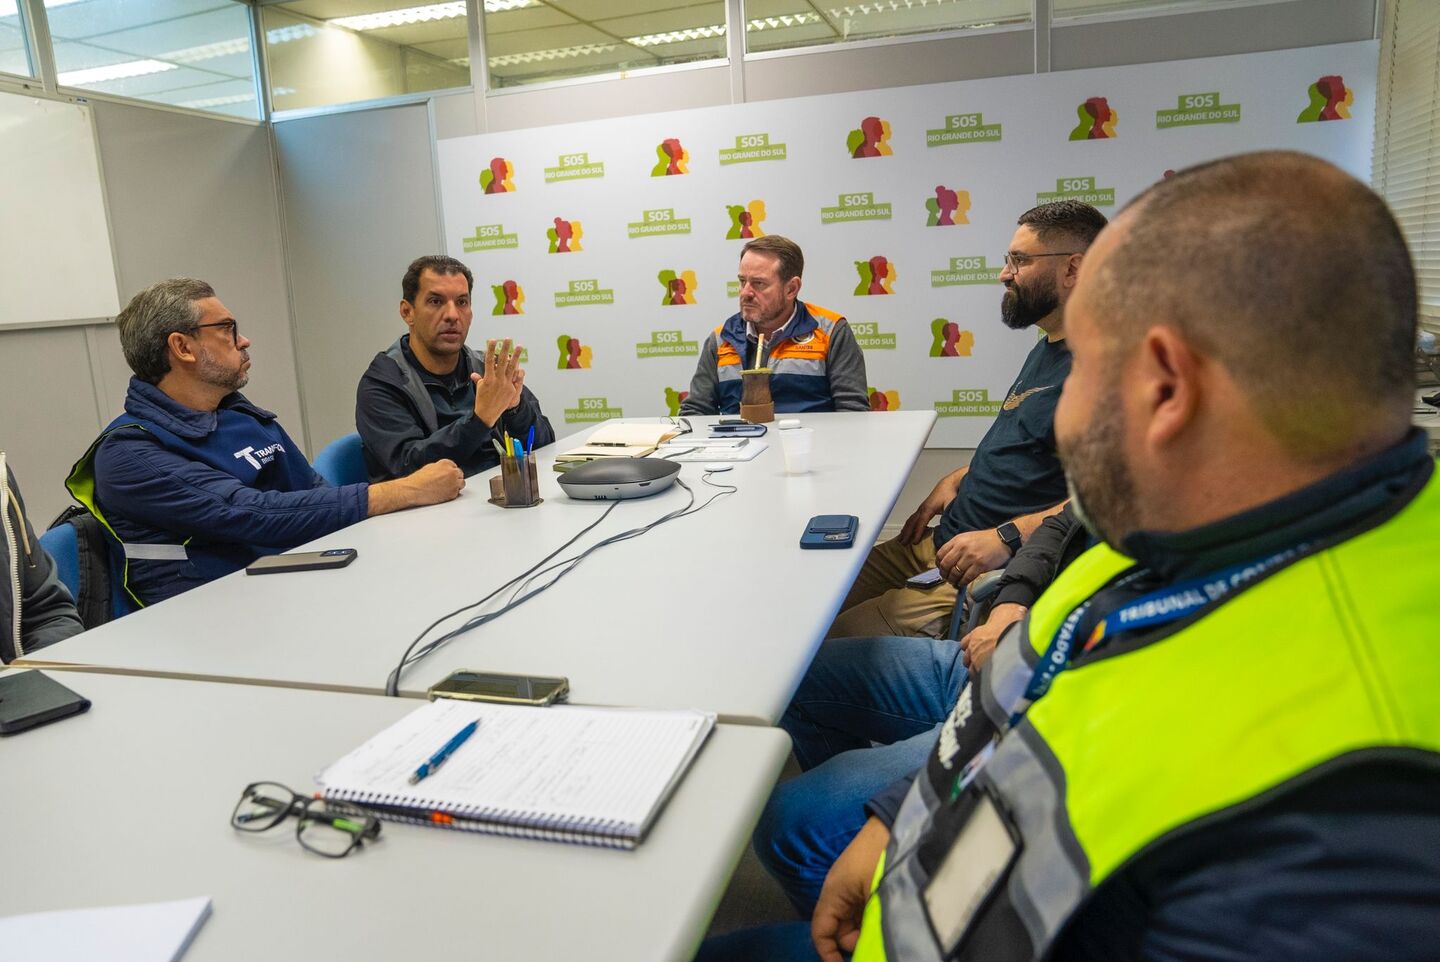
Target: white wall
{"x":359,"y":198}
{"x":187,"y":195}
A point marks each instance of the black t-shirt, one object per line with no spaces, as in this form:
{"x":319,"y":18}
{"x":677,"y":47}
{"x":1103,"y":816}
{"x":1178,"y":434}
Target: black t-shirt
{"x":452,"y":394}
{"x":1015,"y":470}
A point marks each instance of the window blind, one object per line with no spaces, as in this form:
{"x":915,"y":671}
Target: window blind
{"x":1406,"y":168}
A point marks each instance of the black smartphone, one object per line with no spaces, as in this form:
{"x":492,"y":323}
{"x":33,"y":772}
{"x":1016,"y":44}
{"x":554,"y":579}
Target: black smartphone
{"x":506,"y":689}
{"x":29,"y":699}
{"x":302,"y":561}
{"x":739,"y":429}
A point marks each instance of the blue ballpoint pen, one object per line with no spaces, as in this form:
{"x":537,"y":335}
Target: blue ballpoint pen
{"x":530,"y":440}
{"x":446,"y":750}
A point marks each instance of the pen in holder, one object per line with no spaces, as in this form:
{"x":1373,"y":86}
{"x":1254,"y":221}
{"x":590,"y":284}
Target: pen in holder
{"x":518,"y":485}
{"x":755,"y":404}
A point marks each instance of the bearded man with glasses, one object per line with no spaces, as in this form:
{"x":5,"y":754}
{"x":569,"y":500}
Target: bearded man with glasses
{"x":194,"y":481}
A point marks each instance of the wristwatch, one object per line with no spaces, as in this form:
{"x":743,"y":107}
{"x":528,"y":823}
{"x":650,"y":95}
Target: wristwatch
{"x":1010,"y":534}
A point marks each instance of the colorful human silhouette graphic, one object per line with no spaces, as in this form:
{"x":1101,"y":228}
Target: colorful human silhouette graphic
{"x":679,"y":287}
{"x":573,"y":355}
{"x":884,"y":400}
{"x":877,"y":275}
{"x":872,"y":139}
{"x":947,"y":340}
{"x":673,"y":159}
{"x":745,"y":221}
{"x":509,"y":298}
{"x":565,"y":236}
{"x":673,"y":400}
{"x":1097,"y":120}
{"x":499,"y":178}
{"x":1330,"y":99}
{"x":948,"y":207}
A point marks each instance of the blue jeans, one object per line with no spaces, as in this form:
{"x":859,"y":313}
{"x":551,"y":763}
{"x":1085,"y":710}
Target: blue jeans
{"x":858,"y":691}
{"x":776,"y":942}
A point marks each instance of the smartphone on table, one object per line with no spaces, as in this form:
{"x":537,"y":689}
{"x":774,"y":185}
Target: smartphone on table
{"x":302,"y":561}
{"x":506,"y":689}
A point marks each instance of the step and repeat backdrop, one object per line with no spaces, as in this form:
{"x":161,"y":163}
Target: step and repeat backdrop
{"x":609,"y":248}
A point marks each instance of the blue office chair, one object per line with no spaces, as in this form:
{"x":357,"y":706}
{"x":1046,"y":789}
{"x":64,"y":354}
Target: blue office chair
{"x":341,"y":462}
{"x":63,"y":546}
{"x":87,"y":569}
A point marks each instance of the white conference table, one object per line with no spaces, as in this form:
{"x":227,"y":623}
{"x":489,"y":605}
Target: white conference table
{"x":720,"y":611}
{"x":131,"y":803}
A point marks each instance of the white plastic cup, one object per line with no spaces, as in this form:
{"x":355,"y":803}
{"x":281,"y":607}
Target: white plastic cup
{"x":797,"y":443}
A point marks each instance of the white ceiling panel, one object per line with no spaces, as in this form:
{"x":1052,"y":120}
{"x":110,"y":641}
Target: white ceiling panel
{"x":95,"y":18}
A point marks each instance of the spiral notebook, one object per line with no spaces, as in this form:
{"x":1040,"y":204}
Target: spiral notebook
{"x":591,"y":776}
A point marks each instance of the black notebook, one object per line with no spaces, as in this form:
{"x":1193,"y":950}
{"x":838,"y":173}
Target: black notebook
{"x":592,"y":776}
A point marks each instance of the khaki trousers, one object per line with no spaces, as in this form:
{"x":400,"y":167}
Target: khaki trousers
{"x":881,"y":603}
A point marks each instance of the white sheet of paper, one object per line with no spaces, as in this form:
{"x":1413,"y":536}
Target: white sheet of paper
{"x":154,"y":932}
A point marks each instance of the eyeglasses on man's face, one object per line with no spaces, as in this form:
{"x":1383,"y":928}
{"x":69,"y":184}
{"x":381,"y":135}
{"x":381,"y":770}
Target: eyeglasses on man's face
{"x":232,"y":324}
{"x":1017,"y":259}
{"x":328,"y":828}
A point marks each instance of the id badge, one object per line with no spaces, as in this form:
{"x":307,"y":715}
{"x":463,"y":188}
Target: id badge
{"x":978,"y":862}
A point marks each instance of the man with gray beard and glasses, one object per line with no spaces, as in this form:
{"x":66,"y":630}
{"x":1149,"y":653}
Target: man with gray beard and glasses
{"x":194,"y":481}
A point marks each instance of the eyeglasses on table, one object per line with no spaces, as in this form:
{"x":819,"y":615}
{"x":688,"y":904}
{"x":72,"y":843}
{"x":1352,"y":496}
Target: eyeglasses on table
{"x":329,"y":828}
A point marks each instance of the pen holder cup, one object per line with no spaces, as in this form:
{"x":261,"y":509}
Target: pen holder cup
{"x":518,"y":485}
{"x":755,"y":403}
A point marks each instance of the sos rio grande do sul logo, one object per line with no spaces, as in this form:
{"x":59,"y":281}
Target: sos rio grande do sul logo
{"x":963,"y":129}
{"x":751,"y":148}
{"x":583,"y":292}
{"x":968,"y":402}
{"x":657,"y":223}
{"x":948,"y":340}
{"x":870,"y":338}
{"x":667,"y":344}
{"x":855,"y":206}
{"x":964,"y":271}
{"x":592,"y":409}
{"x":1078,"y":188}
{"x":1193,"y":110}
{"x":574,"y":167}
{"x":489,"y":237}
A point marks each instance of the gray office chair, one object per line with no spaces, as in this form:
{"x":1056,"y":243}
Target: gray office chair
{"x":972,"y":607}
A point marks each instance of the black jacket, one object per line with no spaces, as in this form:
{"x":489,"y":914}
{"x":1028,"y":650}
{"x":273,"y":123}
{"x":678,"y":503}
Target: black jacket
{"x":400,"y":430}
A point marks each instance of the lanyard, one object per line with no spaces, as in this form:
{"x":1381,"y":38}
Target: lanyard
{"x":1156,"y":608}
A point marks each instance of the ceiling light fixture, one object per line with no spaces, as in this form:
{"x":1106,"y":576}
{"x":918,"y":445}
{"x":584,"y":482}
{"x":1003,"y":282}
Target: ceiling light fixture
{"x":561,"y":53}
{"x":425,"y":14}
{"x":677,"y":36}
{"x":115,"y":71}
